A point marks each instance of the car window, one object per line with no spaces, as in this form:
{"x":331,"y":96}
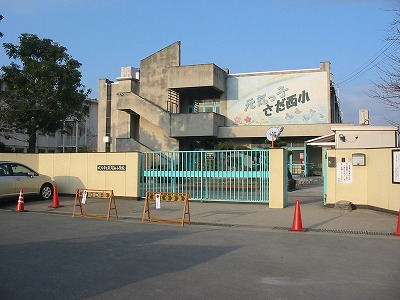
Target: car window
{"x":4,"y":170}
{"x":19,"y":170}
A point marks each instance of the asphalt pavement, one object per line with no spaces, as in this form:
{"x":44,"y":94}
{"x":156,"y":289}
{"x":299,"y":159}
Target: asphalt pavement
{"x":229,"y":251}
{"x":315,"y":217}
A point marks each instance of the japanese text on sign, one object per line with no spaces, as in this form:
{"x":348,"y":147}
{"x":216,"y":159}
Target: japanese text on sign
{"x":277,"y":105}
{"x":344,"y":172}
{"x":396,"y":166}
{"x":210,"y":155}
{"x":111,"y":167}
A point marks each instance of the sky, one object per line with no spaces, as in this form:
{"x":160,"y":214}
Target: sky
{"x":243,"y":36}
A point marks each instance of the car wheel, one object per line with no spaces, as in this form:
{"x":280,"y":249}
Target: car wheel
{"x":46,"y":191}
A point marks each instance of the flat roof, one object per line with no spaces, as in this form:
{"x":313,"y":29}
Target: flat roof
{"x":274,"y":72}
{"x":364,"y":128}
{"x":326,"y":140}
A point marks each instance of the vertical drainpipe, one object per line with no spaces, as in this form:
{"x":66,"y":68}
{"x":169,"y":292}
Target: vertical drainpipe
{"x":76,"y":136}
{"x":63,"y":138}
{"x":108,"y":116}
{"x":86,"y":137}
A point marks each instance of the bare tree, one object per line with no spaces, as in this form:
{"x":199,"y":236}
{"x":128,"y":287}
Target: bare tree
{"x":388,"y":90}
{"x":1,"y":18}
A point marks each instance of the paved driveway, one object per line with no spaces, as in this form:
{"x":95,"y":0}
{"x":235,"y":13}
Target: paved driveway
{"x":50,"y":255}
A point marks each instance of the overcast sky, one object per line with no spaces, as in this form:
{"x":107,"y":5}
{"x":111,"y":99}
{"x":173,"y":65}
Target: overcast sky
{"x":243,"y":36}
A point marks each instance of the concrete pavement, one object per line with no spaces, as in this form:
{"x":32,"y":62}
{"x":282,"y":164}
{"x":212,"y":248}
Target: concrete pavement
{"x":315,"y":216}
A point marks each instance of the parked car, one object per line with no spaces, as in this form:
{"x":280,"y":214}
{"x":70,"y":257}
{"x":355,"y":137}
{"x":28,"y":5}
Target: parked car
{"x":14,"y":176}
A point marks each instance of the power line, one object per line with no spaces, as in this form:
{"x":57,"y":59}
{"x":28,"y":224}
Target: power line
{"x":369,"y":64}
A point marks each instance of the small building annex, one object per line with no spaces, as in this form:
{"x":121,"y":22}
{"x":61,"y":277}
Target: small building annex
{"x":164,"y":106}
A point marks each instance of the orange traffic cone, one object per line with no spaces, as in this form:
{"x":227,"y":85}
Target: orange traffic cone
{"x":297,"y":223}
{"x":398,"y":226}
{"x":20,"y":204}
{"x":56,"y":202}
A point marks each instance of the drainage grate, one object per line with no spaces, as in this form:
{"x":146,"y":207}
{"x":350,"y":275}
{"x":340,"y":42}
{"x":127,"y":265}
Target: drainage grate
{"x":346,"y":231}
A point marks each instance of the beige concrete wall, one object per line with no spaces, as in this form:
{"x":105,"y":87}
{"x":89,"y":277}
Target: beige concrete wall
{"x":365,"y":139}
{"x":370,"y":185}
{"x":155,"y":138}
{"x":197,"y":76}
{"x":79,"y":170}
{"x":191,"y":125}
{"x":154,"y":73}
{"x":300,"y":130}
{"x":277,"y":185}
{"x":29,"y":159}
{"x":101,"y":127}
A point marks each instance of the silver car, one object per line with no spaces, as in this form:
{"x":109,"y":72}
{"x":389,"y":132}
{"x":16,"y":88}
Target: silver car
{"x":15,"y":176}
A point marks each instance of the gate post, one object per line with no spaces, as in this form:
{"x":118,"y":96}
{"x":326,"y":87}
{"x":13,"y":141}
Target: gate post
{"x":277,"y":187}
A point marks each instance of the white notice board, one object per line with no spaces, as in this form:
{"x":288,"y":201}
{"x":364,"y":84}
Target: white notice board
{"x":395,"y":166}
{"x":344,"y":172}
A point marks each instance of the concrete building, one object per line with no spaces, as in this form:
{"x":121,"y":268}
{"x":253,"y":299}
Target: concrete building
{"x":164,"y":106}
{"x":80,"y":135}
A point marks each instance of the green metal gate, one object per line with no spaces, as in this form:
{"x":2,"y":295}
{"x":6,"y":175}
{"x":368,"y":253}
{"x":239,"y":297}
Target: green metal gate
{"x":217,"y":175}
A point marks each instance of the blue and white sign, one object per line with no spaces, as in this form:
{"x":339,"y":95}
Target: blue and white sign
{"x":284,"y":98}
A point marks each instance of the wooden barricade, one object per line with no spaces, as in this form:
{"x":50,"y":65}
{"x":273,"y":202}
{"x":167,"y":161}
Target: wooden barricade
{"x":166,"y":196}
{"x":83,"y":195}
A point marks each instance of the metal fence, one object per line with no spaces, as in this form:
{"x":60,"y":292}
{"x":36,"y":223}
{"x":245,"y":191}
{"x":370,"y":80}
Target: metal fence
{"x":218,"y":175}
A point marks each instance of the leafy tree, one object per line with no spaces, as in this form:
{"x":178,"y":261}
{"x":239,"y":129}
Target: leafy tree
{"x":44,"y":90}
{"x":228,"y":145}
{"x":4,"y":148}
{"x":242,"y":147}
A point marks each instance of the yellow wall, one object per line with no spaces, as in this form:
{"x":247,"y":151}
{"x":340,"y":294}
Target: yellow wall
{"x":31,"y":160}
{"x":79,"y":170}
{"x":371,"y":184}
{"x":277,"y":185}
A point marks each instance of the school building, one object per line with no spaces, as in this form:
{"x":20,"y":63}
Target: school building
{"x":164,"y":106}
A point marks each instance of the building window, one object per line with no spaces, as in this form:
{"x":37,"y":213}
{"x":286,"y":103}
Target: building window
{"x":207,"y":105}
